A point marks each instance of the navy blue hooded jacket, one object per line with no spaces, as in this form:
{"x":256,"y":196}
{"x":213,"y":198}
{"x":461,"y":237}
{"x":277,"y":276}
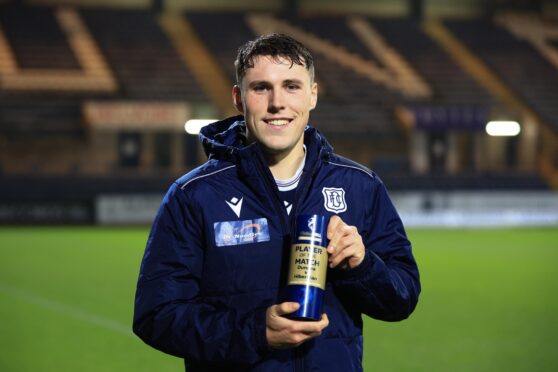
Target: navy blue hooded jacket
{"x":205,"y":284}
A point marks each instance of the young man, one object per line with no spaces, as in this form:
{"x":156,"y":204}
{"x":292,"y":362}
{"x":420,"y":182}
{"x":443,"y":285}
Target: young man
{"x":211,"y":281}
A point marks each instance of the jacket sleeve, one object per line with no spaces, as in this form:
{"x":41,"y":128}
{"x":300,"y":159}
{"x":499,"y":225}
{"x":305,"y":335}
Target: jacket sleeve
{"x":386,"y":284}
{"x":169,"y":312}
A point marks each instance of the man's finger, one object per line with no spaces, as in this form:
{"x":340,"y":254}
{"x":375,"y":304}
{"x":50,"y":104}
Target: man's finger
{"x":343,"y":243}
{"x":341,"y":239}
{"x":324,"y":321}
{"x":332,"y":225}
{"x":313,"y":329}
{"x":341,"y":256}
{"x":334,"y":233}
{"x":322,"y":324}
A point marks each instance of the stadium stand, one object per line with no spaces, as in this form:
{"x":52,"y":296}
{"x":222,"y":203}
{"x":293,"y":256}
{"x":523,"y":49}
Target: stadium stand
{"x":348,"y":103}
{"x":141,"y":56}
{"x":220,"y":40}
{"x":67,"y":39}
{"x":336,"y":30}
{"x":40,"y":116}
{"x":36,"y":39}
{"x":367,"y":68}
{"x":37,"y":42}
{"x":451,"y":85}
{"x":42,"y":56}
{"x":515,"y":61}
{"x":142,"y":59}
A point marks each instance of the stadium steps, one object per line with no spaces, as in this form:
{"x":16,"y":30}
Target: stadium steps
{"x":141,"y":56}
{"x":36,"y":38}
{"x":263,"y":24}
{"x":354,"y":100}
{"x":8,"y":62}
{"x":86,"y":51}
{"x":411,"y":83}
{"x":533,"y":28}
{"x":471,"y":63}
{"x":450,"y":84}
{"x":58,"y":54}
{"x":518,"y":60}
{"x":358,"y":38}
{"x":199,"y":60}
{"x":40,"y":116}
{"x":487,"y":78}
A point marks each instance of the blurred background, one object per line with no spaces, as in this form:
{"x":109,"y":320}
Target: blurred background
{"x":94,"y":96}
{"x":454,"y":103}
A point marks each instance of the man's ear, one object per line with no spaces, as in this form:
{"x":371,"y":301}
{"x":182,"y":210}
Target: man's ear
{"x":314,"y":97}
{"x":237,"y":99}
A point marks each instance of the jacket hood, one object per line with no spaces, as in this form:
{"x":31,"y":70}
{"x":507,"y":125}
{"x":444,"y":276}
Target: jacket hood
{"x":223,"y":138}
{"x":226,"y":138}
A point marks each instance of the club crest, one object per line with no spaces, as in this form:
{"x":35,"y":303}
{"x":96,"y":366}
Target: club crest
{"x":334,"y":199}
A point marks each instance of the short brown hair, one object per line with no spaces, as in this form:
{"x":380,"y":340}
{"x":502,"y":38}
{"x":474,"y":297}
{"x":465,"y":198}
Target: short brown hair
{"x":273,"y":45}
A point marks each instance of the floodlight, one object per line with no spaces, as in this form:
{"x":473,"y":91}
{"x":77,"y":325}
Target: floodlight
{"x":193,"y":126}
{"x":503,"y":128}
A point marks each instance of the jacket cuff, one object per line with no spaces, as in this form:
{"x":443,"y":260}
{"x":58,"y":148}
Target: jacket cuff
{"x":365,"y":267}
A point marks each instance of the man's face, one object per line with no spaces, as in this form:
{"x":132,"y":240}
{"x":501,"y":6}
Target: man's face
{"x":276,"y":99}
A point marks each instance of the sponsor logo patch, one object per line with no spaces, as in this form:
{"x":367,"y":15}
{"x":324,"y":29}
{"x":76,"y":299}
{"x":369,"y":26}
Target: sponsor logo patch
{"x":241,"y":232}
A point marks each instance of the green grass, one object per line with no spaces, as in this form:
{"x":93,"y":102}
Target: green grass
{"x":489,"y":302}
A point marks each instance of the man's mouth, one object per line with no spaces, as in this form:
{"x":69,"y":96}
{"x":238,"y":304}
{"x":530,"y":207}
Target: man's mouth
{"x":277,"y":122}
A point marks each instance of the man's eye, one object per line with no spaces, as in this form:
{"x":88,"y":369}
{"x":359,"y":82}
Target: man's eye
{"x":260,"y":88}
{"x":292,"y":87}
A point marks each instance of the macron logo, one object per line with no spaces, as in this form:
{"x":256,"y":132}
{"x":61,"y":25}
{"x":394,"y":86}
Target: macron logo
{"x":236,"y":205}
{"x":289,"y":206}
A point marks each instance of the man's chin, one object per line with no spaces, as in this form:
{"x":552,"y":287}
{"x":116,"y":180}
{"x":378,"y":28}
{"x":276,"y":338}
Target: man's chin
{"x":277,"y":150}
{"x":274,"y":150}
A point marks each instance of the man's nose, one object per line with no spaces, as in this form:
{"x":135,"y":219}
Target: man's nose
{"x":275,"y":100}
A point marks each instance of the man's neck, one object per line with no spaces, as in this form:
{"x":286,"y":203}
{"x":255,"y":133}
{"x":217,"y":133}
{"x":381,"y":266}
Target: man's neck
{"x":284,"y":166}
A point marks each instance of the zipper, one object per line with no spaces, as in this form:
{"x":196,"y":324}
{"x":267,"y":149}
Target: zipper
{"x":272,"y":188}
{"x":304,"y":183}
{"x":286,"y":220}
{"x":302,"y":189}
{"x":305,"y":179}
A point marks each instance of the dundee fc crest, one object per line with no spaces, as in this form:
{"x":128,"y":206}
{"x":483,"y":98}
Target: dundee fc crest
{"x":334,"y":199}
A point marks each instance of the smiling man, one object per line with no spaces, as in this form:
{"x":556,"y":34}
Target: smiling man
{"x":275,"y":96}
{"x":211,"y":283}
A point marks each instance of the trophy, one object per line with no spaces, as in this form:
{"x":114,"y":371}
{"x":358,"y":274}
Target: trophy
{"x":308,"y":267}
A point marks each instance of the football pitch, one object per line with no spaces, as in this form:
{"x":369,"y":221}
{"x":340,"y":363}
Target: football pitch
{"x":489,"y":303}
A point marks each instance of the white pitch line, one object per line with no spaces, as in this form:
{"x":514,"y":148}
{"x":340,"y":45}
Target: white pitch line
{"x":68,"y":310}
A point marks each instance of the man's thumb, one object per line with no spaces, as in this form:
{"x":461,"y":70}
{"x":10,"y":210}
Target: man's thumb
{"x":287,"y":308}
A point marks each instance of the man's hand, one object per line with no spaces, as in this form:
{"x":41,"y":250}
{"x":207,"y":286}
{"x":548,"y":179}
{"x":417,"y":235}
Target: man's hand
{"x":283,"y":333}
{"x":345,"y":244}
